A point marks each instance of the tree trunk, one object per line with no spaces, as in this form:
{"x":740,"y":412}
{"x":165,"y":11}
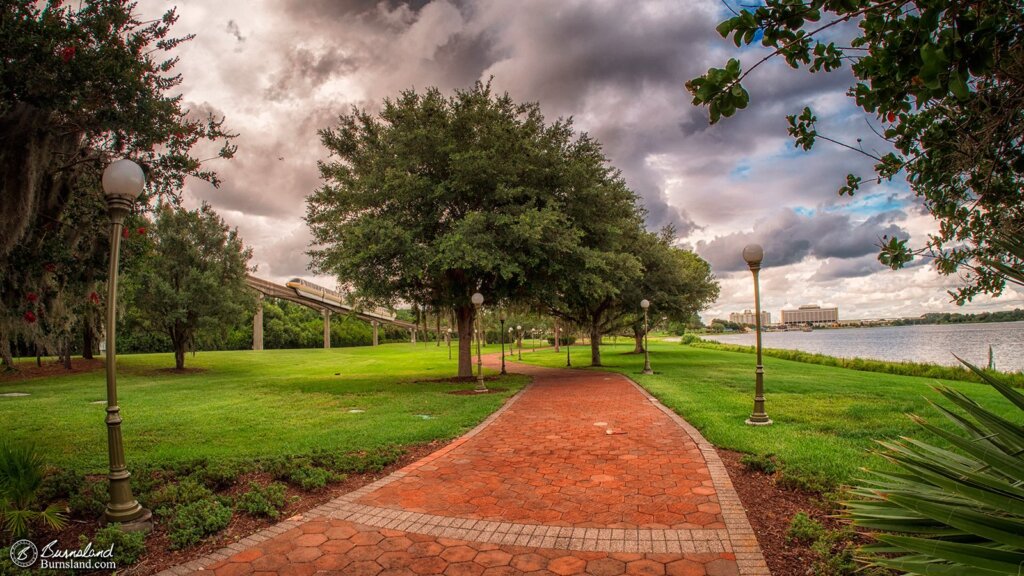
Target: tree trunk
{"x":88,"y":338}
{"x":638,"y":335}
{"x":179,"y":356}
{"x":66,"y":353}
{"x":5,"y":352}
{"x":595,"y":344}
{"x":437,"y":332}
{"x":464,"y":317}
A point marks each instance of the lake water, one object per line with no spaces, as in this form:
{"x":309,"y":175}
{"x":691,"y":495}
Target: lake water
{"x":933,"y":344}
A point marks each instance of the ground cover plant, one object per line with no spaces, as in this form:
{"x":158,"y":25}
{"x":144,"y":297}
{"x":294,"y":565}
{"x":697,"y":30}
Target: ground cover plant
{"x":826,"y":418}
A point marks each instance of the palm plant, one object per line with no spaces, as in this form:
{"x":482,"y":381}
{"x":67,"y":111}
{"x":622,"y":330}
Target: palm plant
{"x":949,"y":512}
{"x":21,"y":474}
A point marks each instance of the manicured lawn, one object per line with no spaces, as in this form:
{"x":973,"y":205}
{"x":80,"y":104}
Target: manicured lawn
{"x":825,"y":418}
{"x":245,"y":405}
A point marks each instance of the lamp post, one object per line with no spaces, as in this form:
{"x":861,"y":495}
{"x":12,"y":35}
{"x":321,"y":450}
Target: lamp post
{"x":478,"y":299}
{"x":448,"y":338}
{"x":511,"y":347}
{"x":645,"y":304}
{"x":519,"y":340}
{"x":123,"y":181}
{"x":568,"y":348}
{"x":533,"y":338}
{"x":501,"y":318}
{"x":753,"y":254}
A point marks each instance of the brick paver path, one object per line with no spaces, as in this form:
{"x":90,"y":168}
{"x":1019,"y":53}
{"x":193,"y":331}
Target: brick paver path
{"x":581,"y":473}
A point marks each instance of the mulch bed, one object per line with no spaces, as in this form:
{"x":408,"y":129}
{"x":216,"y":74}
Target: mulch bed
{"x":158,"y":554}
{"x":770,"y":509}
{"x":49,"y":367}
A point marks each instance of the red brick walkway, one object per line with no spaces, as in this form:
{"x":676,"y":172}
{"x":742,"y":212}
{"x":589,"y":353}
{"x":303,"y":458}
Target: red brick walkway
{"x":541,"y":487}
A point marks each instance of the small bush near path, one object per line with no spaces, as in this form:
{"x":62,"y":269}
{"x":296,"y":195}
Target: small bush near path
{"x":128,"y":546}
{"x":192,"y":522}
{"x":263,"y":501}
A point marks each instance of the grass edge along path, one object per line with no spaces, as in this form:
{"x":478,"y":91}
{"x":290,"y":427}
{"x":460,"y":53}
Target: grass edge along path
{"x":826,"y":418}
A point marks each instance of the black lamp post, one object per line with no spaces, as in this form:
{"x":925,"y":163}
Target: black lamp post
{"x":519,"y":340}
{"x":501,"y":319}
{"x":645,"y":304}
{"x":448,"y":337}
{"x":753,"y":254}
{"x":123,"y":181}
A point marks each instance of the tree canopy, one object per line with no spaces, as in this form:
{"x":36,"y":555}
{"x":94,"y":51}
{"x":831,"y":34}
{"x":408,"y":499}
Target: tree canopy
{"x":192,"y":278}
{"x":945,"y":81}
{"x":80,"y":86}
{"x":438,"y":197}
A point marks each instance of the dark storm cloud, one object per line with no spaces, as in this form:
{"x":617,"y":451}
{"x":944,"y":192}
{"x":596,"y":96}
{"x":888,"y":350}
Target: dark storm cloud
{"x":234,"y":30}
{"x":305,"y":69}
{"x":842,"y":268}
{"x":789,"y":237}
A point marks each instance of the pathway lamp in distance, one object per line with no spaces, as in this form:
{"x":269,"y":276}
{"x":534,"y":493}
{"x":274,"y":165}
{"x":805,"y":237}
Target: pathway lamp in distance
{"x":478,"y":300}
{"x":645,"y":304}
{"x":753,"y":254}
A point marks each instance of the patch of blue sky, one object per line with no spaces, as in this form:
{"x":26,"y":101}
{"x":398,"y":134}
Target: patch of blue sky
{"x":741,"y":171}
{"x":869,"y":204}
{"x":804,"y":211}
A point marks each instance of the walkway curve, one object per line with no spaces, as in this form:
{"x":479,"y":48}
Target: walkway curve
{"x":582,"y":472}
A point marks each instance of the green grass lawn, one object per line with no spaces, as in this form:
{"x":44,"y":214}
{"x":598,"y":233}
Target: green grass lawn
{"x":246,"y":405}
{"x":825,"y":418}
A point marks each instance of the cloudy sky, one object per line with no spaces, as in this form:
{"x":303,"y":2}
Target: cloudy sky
{"x":279,"y":70}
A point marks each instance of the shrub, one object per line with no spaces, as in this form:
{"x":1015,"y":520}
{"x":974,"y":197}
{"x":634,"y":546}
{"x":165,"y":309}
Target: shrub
{"x":760,"y":463}
{"x":311,"y":478}
{"x":688,"y":339}
{"x":171,"y":496}
{"x":358,"y":462}
{"x":21,"y":476}
{"x":263,"y":501}
{"x":128,"y":546}
{"x":60,"y":485}
{"x":90,"y":501}
{"x":803,"y":528}
{"x":220,"y":475}
{"x":192,"y":522}
{"x":950,"y":512}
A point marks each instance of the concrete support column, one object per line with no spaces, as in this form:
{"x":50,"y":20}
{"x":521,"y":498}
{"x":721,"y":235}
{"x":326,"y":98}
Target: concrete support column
{"x":257,"y":325}
{"x":413,"y":332}
{"x":327,"y":327}
{"x":374,"y":324}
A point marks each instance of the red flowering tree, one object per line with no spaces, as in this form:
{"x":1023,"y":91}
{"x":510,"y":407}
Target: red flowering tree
{"x":81,"y":85}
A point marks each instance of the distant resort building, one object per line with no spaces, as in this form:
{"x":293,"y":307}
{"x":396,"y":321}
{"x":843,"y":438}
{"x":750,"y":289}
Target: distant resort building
{"x":748,"y":317}
{"x":811,"y":314}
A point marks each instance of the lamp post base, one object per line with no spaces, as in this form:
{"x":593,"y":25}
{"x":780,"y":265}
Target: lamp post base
{"x":138,"y":520}
{"x":759,"y":420}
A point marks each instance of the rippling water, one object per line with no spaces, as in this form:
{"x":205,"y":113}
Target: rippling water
{"x":934,"y":343}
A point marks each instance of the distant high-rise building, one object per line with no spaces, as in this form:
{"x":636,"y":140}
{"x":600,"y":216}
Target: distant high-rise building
{"x":811,"y":314}
{"x":748,"y":317}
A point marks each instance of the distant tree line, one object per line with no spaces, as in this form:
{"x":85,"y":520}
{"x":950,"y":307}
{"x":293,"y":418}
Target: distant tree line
{"x":1014,"y":315}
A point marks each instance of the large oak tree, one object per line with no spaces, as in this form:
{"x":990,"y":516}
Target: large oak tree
{"x":437,"y":197}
